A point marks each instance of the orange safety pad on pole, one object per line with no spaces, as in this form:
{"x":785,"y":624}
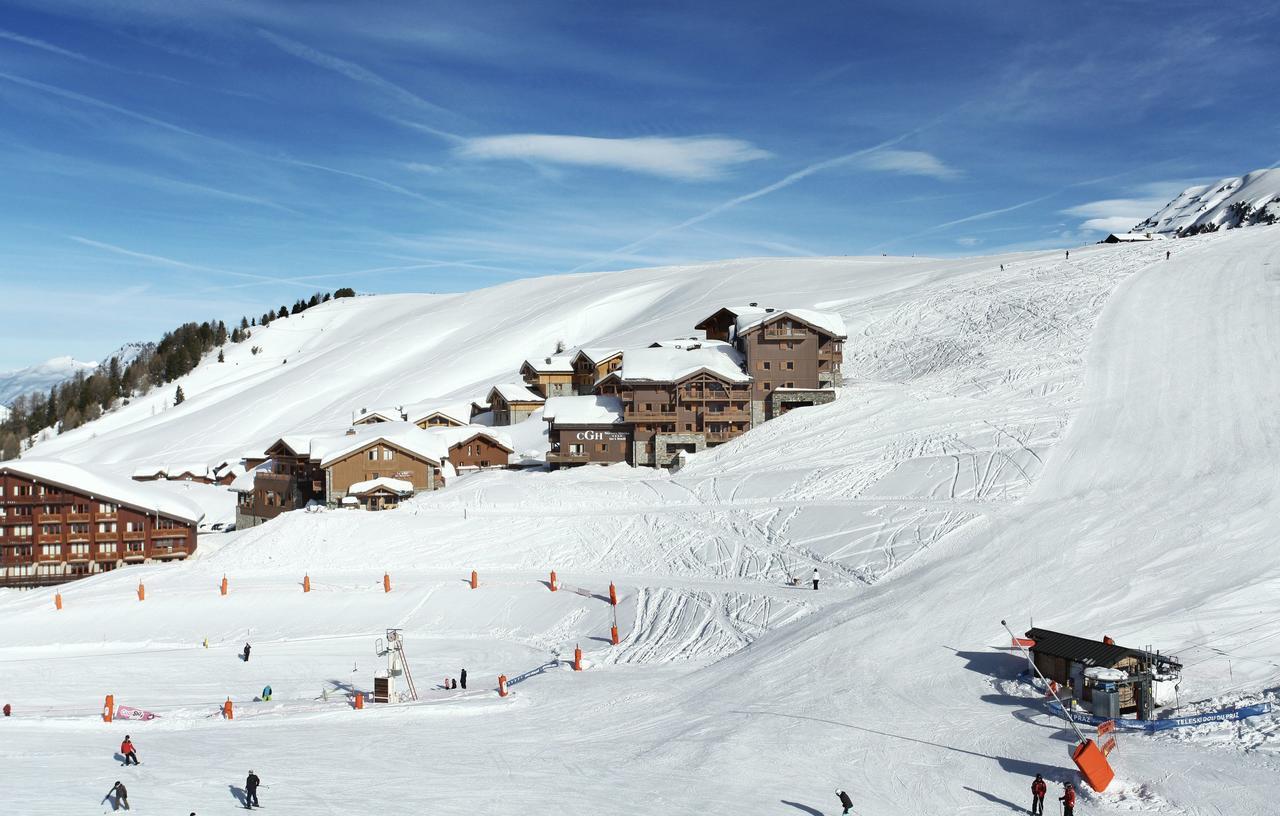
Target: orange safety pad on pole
{"x":142,"y":592}
{"x":228,"y":710}
{"x":223,"y":587}
{"x":1093,"y":765}
{"x":359,"y":700}
{"x":502,"y":685}
{"x":306,"y":583}
{"x":613,"y":634}
{"x":577,"y":658}
{"x":613,"y":594}
{"x":553,"y":581}
{"x":475,"y":579}
{"x":109,"y":708}
{"x":57,"y":601}
{"x":386,"y":582}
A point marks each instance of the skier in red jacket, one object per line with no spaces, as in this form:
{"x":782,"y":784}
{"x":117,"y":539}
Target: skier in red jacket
{"x":1068,"y":800}
{"x":1038,"y":790}
{"x":128,"y":751}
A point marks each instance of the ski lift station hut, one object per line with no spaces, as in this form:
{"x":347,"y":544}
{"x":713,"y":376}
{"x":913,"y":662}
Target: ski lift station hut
{"x":1114,"y":679}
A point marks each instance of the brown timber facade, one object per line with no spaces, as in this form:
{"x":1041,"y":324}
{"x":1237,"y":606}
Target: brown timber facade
{"x":51,"y":532}
{"x":699,"y":411}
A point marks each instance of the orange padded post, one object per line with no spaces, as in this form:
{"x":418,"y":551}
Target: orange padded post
{"x":1093,"y":765}
{"x":57,"y":600}
{"x":613,"y":634}
{"x":502,"y":685}
{"x":306,"y":583}
{"x":228,"y":710}
{"x":475,"y":579}
{"x":359,"y":700}
{"x":577,"y":658}
{"x":109,"y":708}
{"x":613,"y":594}
{"x":142,"y":592}
{"x":386,"y":582}
{"x":554,"y":586}
{"x":224,"y":585}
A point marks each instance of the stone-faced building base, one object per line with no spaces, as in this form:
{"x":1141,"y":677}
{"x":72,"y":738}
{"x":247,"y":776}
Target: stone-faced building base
{"x":782,"y":401}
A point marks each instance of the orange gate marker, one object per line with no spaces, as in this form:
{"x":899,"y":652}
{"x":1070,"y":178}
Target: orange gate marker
{"x":386,"y":582}
{"x":577,"y":658}
{"x":475,"y":579}
{"x":613,"y":594}
{"x":554,"y":587}
{"x":306,"y":583}
{"x":613,"y":633}
{"x":227,"y":710}
{"x":57,"y":600}
{"x":224,"y":585}
{"x":358,"y":702}
{"x":109,"y":708}
{"x":502,"y":685}
{"x":142,"y":592}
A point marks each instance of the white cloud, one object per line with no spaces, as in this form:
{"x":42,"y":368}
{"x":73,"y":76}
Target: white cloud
{"x":1115,"y":214}
{"x":692,"y":158}
{"x":909,"y":162}
{"x":968,"y":241}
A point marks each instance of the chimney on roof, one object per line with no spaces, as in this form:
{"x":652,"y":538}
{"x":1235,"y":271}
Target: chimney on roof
{"x":351,"y":431}
{"x":768,"y":311}
{"x":548,"y":361}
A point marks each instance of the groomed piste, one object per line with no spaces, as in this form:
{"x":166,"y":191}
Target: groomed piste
{"x":1090,"y":444}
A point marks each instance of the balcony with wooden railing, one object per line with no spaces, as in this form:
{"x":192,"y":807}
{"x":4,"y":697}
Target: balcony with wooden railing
{"x":785,"y":332}
{"x":49,"y":538}
{"x":71,"y":517}
{"x":134,"y":535}
{"x":101,"y":536}
{"x":734,"y":415}
{"x":642,"y":415}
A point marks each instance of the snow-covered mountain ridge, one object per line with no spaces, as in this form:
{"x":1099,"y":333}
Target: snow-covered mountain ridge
{"x":40,"y":377}
{"x":1231,"y":202}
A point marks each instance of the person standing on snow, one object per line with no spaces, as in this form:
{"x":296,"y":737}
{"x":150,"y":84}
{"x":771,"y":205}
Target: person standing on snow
{"x":462,"y":679}
{"x":246,"y":653}
{"x":128,"y":751}
{"x":845,"y":801}
{"x":1068,"y":800}
{"x":815,"y":578}
{"x":251,"y":790}
{"x":121,"y":796}
{"x":1038,"y":790}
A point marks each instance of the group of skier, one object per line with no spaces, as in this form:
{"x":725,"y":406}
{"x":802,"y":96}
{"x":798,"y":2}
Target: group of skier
{"x":1038,"y":790}
{"x":119,"y":794}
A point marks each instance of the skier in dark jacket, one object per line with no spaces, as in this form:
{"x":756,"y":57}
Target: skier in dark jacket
{"x":127,"y":751}
{"x":1038,"y":790}
{"x":845,"y":801}
{"x":1068,"y":800}
{"x":251,"y":790}
{"x":246,"y":653}
{"x":462,"y":679}
{"x":122,"y":796}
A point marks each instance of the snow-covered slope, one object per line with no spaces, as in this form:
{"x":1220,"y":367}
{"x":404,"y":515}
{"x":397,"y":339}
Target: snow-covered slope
{"x":1210,"y":204}
{"x":1092,"y":443}
{"x":40,"y":377}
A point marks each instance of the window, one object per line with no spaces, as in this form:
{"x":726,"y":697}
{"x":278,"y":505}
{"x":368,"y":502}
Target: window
{"x":602,"y":447}
{"x":768,"y":386}
{"x":790,"y":365}
{"x":373,"y":454}
{"x":576,"y":449}
{"x":133,"y":526}
{"x":50,"y":529}
{"x":51,"y":510}
{"x":21,"y":530}
{"x":2,"y":511}
{"x":80,"y":549}
{"x":51,"y":550}
{"x":135,"y":546}
{"x":79,"y":508}
{"x":688,"y":426}
{"x":106,"y":526}
{"x":789,"y":385}
{"x":106,"y":507}
{"x":387,"y":454}
{"x":79,"y":529}
{"x":764,"y":364}
{"x":107,"y":547}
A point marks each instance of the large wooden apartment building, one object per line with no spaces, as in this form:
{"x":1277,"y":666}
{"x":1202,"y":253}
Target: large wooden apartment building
{"x":586,"y":430}
{"x":59,"y":522}
{"x":549,"y":376}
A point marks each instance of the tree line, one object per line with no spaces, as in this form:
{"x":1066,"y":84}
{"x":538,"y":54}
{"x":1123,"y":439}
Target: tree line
{"x":85,"y":397}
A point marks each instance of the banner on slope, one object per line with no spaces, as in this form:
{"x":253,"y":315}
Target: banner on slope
{"x":125,"y":712}
{"x":1221,"y":715}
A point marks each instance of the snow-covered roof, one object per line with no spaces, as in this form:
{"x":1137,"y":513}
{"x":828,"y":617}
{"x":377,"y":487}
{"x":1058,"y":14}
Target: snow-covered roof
{"x":382,"y":414}
{"x":673,"y":365}
{"x":584,"y":410}
{"x":100,"y":486}
{"x":828,"y":322}
{"x":329,"y":447}
{"x":457,"y":410}
{"x":678,"y":343}
{"x":512,"y":392}
{"x":174,"y":471}
{"x":451,"y":437}
{"x":385,"y":482}
{"x":243,"y":483}
{"x":149,"y":472}
{"x":558,"y":364}
{"x":1126,"y":237}
{"x":596,"y":356}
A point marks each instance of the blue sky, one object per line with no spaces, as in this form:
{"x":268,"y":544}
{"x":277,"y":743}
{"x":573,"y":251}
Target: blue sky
{"x":177,"y":160}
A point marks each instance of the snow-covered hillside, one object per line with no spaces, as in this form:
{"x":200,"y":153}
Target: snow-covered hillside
{"x":1091,"y":443}
{"x":1211,"y":205}
{"x":40,"y":377}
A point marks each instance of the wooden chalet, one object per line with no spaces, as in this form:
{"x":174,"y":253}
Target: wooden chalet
{"x":1065,"y":658}
{"x":549,"y":376}
{"x":587,"y":430}
{"x":511,"y":403}
{"x":373,"y":417}
{"x":440,"y":415}
{"x":590,"y":365}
